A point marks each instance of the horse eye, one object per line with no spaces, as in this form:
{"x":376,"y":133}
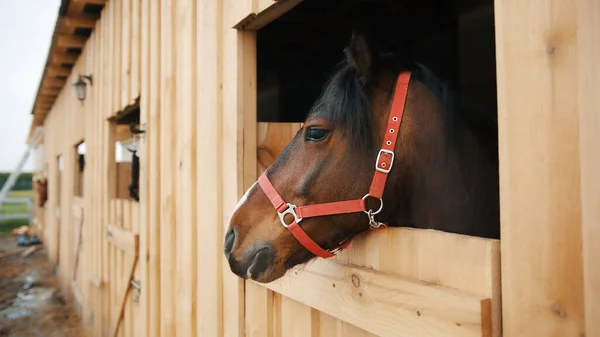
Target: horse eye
{"x":316,"y":134}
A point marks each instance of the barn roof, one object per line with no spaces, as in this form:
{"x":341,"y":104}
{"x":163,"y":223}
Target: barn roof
{"x":74,"y":25}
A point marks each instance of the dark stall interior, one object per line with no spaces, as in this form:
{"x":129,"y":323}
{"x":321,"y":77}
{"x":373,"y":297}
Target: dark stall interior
{"x":297,"y":52}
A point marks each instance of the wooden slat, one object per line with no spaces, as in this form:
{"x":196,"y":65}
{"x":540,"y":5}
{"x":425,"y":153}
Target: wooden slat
{"x":49,"y":92}
{"x":60,"y":58}
{"x":231,"y":137}
{"x":298,"y":320}
{"x":76,"y":251}
{"x":150,"y":188}
{"x":136,"y":46}
{"x":125,"y":240}
{"x":125,"y":53}
{"x":58,"y":71}
{"x":588,"y":33}
{"x":116,"y":58}
{"x":386,"y":305}
{"x":168,"y":169}
{"x":192,"y":287}
{"x":81,"y":20}
{"x":540,"y":183}
{"x":70,"y":41}
{"x":53,"y":83}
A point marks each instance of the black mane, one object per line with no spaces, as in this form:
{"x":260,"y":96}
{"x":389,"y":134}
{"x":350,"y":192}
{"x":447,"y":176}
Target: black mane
{"x":345,"y":104}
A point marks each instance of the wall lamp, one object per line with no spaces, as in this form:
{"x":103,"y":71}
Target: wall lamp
{"x":80,"y":86}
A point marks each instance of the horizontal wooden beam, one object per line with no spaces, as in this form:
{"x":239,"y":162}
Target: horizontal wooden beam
{"x":55,"y":70}
{"x":82,"y":20}
{"x":123,"y":239}
{"x":61,"y":58}
{"x":386,"y":305}
{"x":53,"y":83}
{"x":257,"y":21}
{"x":42,"y":99}
{"x":71,"y":41}
{"x":40,"y":112}
{"x":49,"y":91}
{"x":43,"y":105}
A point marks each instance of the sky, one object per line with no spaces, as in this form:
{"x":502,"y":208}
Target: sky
{"x":26,"y":28}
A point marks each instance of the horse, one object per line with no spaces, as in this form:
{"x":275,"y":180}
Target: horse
{"x":384,"y":131}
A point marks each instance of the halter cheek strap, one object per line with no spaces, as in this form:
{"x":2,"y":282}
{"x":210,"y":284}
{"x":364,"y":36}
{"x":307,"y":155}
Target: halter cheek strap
{"x":383,"y":165}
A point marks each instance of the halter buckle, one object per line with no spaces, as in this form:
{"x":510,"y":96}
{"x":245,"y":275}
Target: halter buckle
{"x":384,"y":170}
{"x":290,"y":210}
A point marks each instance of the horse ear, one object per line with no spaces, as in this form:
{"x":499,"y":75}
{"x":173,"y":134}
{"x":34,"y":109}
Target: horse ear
{"x":360,"y":56}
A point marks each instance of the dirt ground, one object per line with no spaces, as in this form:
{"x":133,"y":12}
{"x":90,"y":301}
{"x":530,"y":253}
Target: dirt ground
{"x":31,"y":303}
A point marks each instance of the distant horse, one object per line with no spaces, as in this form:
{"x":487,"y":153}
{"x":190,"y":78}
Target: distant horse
{"x":437,"y":168}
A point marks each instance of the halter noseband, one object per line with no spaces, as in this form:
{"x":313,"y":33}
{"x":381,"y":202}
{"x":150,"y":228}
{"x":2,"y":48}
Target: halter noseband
{"x":383,"y":165}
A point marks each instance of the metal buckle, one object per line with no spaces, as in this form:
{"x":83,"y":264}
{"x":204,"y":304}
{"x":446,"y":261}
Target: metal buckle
{"x":336,"y":250}
{"x":377,"y":161}
{"x":290,"y":210}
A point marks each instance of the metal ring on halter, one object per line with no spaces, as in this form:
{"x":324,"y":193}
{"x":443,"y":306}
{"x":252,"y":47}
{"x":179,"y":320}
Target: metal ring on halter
{"x":380,"y":205}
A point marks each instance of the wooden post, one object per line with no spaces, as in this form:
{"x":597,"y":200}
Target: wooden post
{"x":541,"y":112}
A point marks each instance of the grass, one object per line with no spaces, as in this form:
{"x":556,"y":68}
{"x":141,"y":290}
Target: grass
{"x":7,"y":225}
{"x":20,"y":194}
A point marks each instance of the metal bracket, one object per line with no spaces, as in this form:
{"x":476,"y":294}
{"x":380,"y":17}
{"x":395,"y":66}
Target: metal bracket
{"x":137,"y":286}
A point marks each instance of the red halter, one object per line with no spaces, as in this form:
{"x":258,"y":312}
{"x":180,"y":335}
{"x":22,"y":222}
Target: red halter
{"x":385,"y":160}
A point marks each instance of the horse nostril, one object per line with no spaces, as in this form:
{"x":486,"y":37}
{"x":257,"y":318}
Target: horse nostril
{"x":261,"y":261}
{"x":229,"y":240}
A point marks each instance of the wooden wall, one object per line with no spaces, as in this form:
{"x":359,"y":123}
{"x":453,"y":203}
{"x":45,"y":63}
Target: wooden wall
{"x":195,"y":77}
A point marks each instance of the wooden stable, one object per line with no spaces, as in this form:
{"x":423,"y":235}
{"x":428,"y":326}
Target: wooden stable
{"x":185,"y":73}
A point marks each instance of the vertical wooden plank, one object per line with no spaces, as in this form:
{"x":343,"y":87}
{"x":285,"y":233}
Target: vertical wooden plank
{"x":136,"y":47}
{"x":588,"y":33}
{"x":538,"y":122}
{"x":117,"y":63}
{"x":146,"y":152}
{"x":264,"y":4}
{"x":108,"y":51}
{"x":88,"y":258}
{"x":108,"y":189}
{"x":184,"y":30}
{"x":298,"y":320}
{"x":259,"y":311}
{"x":133,"y":307}
{"x":231,"y":139}
{"x":168,"y":169}
{"x":112,"y":256}
{"x":328,"y":325}
{"x":209,"y":315}
{"x":129,"y":218}
{"x":97,"y":152}
{"x":125,"y":56}
{"x":154,"y":171}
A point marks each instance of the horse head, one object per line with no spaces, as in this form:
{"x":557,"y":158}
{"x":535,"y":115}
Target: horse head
{"x":356,"y":164}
